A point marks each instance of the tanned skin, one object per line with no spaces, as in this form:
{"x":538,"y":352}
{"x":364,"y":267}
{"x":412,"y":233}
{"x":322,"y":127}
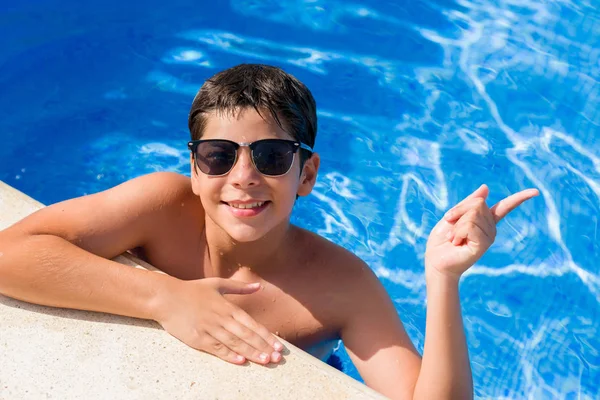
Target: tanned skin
{"x":306,"y":289}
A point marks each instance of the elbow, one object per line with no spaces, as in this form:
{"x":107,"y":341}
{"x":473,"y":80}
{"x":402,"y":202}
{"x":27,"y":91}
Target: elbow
{"x":15,"y":248}
{"x":9,"y":242}
{"x":7,"y":249}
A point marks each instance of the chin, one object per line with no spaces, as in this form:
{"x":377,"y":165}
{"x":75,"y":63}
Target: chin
{"x":246,"y":234}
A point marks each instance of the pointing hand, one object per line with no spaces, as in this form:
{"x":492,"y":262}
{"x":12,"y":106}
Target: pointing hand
{"x":467,"y":231}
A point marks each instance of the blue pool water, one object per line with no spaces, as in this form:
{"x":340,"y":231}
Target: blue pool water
{"x":420,"y":102}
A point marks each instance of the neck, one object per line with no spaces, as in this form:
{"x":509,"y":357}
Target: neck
{"x":227,"y":255}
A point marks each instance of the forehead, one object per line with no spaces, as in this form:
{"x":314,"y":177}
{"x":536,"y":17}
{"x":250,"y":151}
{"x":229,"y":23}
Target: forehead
{"x":245,"y":125}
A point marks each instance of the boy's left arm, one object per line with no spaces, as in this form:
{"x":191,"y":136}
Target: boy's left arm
{"x":374,"y":336}
{"x":375,"y":339}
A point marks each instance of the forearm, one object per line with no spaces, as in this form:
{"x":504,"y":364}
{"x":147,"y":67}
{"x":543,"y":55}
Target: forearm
{"x":445,"y":369}
{"x":49,"y":270}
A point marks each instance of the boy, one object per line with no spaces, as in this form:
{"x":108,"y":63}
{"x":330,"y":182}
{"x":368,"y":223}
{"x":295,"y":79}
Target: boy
{"x":236,"y":270}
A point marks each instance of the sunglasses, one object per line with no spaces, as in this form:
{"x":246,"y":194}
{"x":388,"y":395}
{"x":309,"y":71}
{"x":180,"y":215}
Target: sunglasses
{"x":271,"y":157}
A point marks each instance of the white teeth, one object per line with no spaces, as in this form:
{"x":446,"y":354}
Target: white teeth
{"x":246,"y":206}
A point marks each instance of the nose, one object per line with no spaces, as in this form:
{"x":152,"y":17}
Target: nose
{"x":243,"y":173}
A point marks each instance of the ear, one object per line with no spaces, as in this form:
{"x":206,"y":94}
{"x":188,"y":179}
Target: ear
{"x":308,"y":178}
{"x":194,"y":175}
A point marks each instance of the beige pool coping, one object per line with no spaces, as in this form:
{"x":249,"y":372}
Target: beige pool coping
{"x":69,"y":354}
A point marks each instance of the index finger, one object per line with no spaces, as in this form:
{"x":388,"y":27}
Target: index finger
{"x":504,"y":206}
{"x":482,"y":191}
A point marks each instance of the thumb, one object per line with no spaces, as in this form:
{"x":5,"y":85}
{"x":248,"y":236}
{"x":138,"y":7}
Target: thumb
{"x":230,"y":286}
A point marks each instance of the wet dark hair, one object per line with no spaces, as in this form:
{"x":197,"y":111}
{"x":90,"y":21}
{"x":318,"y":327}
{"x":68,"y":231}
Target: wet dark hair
{"x":264,"y":88}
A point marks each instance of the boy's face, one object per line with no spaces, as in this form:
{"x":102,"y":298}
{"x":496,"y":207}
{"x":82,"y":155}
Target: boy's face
{"x":221,"y":196}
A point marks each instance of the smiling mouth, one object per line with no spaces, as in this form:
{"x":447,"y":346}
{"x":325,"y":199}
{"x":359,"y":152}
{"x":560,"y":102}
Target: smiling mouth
{"x":247,"y":206}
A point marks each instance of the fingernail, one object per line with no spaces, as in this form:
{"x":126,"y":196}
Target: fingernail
{"x":276,"y":356}
{"x":239,"y":358}
{"x":278,"y":346}
{"x":263,"y":357}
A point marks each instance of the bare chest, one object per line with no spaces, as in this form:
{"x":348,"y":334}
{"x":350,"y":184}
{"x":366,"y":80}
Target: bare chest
{"x":302,"y":320}
{"x":295,"y":307}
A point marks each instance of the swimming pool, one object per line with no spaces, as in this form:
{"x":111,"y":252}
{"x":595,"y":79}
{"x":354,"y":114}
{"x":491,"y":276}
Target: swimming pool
{"x":419,"y":102}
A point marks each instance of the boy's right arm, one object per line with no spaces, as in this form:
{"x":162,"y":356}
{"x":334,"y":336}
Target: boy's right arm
{"x":60,"y":256}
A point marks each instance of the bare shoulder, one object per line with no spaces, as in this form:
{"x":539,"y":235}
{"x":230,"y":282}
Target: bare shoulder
{"x":165,"y":186}
{"x":110,"y":222}
{"x":166,"y":200}
{"x":165,"y":192}
{"x":349,"y":279}
{"x":330,"y":257}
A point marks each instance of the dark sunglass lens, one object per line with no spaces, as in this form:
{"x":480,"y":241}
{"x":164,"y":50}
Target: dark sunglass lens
{"x":273,"y":157}
{"x":215,"y":157}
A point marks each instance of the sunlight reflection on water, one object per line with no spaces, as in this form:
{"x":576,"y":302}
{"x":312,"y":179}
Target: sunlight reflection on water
{"x":419,"y":103}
